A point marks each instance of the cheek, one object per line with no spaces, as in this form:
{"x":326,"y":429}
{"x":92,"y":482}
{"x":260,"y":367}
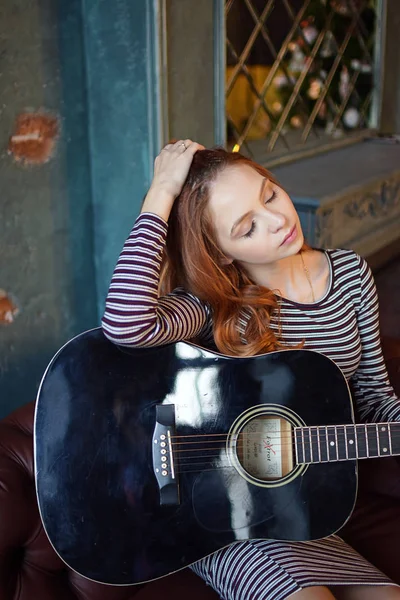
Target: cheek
{"x":291,"y":206}
{"x":255,"y":249}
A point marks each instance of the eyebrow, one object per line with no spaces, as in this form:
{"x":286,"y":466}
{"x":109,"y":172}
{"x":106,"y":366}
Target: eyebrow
{"x":240,"y":219}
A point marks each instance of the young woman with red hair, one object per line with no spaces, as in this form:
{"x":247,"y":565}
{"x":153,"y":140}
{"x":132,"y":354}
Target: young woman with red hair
{"x":217,"y":255}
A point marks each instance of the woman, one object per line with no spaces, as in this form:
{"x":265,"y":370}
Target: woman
{"x":218,"y":255}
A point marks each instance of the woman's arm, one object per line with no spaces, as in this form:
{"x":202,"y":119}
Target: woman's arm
{"x":375,"y":397}
{"x":134,"y":314}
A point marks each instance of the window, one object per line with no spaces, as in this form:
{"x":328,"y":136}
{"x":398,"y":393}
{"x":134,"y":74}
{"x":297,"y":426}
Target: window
{"x":299,"y":74}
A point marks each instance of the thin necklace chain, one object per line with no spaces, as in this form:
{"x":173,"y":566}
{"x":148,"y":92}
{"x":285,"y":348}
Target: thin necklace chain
{"x":307,"y":274}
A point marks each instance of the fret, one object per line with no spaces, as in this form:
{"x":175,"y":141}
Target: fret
{"x":318,"y":443}
{"x":346,"y":443}
{"x":315,"y":445}
{"x":332,"y":445}
{"x":311,"y":444}
{"x":299,"y":450}
{"x":377,"y":439}
{"x":366,"y":439}
{"x":394,"y":433}
{"x":341,"y":442}
{"x":351,"y":441}
{"x":355,"y":439}
{"x":307,"y":444}
{"x":327,"y":443}
{"x":336,"y":442}
{"x":323,"y":444}
{"x":370,"y":431}
{"x":362,"y":441}
{"x":382,"y":432}
{"x":302,"y":444}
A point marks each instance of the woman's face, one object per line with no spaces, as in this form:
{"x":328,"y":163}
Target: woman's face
{"x":253,"y":218}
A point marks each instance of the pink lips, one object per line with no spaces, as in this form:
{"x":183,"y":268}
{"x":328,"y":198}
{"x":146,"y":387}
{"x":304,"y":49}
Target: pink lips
{"x":291,"y":236}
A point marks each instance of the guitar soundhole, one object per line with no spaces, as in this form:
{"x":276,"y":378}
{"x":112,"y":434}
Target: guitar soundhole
{"x":265,"y":447}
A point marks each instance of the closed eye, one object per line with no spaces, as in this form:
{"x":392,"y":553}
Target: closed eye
{"x":274,"y":194}
{"x":253,"y":223}
{"x":251,"y":230}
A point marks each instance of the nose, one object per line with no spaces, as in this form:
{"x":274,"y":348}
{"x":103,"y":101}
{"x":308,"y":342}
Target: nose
{"x":275,"y":220}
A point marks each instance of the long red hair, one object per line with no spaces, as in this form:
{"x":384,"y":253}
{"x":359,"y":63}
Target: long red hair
{"x":194,"y":261}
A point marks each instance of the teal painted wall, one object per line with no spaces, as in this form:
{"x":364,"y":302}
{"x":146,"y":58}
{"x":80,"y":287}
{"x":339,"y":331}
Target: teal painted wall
{"x":63,"y":223}
{"x":119,"y":46}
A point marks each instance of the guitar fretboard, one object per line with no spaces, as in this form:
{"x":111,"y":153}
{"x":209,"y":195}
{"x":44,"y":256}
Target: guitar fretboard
{"x":344,"y":442}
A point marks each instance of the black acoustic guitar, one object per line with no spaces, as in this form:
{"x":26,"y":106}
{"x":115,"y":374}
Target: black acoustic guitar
{"x":148,"y":460}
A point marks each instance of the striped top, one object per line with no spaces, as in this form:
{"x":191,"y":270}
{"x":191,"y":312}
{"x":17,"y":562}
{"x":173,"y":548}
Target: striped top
{"x":343,"y":325}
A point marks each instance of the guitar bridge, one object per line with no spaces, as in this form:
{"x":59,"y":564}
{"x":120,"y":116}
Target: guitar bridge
{"x":163,"y":456}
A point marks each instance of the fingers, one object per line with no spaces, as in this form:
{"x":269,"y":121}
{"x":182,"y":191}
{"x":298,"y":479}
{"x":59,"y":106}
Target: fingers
{"x":181,"y":146}
{"x":193,"y":147}
{"x":172,"y":165}
{"x":189,"y":145}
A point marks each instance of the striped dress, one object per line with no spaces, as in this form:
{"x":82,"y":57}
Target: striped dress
{"x":343,"y":325}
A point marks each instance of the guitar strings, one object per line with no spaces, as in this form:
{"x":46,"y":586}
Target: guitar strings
{"x":192,"y":457}
{"x":186,"y":454}
{"x":213,"y":453}
{"x":318,"y":433}
{"x":366,"y":427}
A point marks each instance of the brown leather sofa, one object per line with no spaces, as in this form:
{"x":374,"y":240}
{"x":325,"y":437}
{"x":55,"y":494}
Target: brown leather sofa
{"x":31,"y":570}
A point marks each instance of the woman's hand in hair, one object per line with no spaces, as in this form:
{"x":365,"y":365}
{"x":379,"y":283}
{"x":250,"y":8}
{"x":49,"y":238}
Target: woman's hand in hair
{"x":171,"y":168}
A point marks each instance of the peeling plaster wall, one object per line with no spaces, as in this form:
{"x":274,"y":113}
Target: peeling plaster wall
{"x":62,"y":224}
{"x":46,"y":258}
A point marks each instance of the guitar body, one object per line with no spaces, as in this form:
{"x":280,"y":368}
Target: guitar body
{"x":99,"y":498}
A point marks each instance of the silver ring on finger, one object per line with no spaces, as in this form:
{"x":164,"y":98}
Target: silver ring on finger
{"x":184,"y":145}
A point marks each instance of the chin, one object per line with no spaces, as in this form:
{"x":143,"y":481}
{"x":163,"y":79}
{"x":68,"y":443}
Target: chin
{"x":300,"y":240}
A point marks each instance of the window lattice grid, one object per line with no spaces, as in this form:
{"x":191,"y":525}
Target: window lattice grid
{"x":297,"y":70}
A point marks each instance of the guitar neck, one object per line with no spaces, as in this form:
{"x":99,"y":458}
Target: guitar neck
{"x":345,"y":442}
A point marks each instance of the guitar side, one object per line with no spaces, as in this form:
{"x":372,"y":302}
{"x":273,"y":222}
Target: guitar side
{"x":94,"y":458}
